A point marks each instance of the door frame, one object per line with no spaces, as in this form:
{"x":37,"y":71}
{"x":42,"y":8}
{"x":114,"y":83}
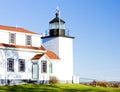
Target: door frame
{"x":37,"y":77}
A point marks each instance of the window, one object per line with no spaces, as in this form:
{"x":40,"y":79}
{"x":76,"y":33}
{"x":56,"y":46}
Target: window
{"x":50,"y":68}
{"x":12,"y":38}
{"x":43,"y":66}
{"x":10,"y":65}
{"x":28,"y":40}
{"x":21,"y":65}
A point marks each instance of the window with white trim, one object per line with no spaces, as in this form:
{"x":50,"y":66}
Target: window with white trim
{"x":28,"y":40}
{"x":12,"y":38}
{"x":10,"y":65}
{"x":43,"y":66}
{"x":50,"y":68}
{"x":21,"y":65}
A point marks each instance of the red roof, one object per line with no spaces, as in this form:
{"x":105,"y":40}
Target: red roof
{"x":37,"y":56}
{"x":50,"y":54}
{"x":23,"y":47}
{"x":16,"y":29}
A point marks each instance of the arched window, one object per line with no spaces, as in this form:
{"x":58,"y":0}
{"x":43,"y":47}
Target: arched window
{"x":43,"y":66}
{"x":10,"y":65}
{"x":21,"y":65}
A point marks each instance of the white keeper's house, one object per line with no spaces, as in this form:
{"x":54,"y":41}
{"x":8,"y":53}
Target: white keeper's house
{"x":29,"y":56}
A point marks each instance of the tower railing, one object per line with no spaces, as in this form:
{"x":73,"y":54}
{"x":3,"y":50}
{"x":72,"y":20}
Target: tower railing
{"x":46,"y":33}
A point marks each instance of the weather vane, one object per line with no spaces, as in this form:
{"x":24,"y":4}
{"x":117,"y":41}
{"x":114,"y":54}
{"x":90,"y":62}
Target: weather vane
{"x":57,"y":9}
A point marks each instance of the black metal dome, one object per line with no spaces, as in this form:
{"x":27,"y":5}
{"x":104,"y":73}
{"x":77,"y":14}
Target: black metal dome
{"x":57,"y":19}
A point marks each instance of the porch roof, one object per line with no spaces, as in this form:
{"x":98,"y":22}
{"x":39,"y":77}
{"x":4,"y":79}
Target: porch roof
{"x":50,"y":54}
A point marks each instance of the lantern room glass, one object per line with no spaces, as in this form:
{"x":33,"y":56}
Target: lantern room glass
{"x":57,"y":25}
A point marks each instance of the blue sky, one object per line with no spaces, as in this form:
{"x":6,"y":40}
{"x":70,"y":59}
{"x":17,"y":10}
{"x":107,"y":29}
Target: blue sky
{"x":95,"y":24}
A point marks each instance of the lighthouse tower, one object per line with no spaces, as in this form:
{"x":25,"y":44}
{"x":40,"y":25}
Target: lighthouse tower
{"x":62,"y":45}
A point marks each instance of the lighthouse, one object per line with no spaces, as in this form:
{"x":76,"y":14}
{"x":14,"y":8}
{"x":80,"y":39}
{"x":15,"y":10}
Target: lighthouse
{"x":61,"y":44}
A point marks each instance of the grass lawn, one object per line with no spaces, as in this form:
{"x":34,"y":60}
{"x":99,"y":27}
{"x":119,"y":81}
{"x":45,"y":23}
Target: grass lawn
{"x":56,"y":88}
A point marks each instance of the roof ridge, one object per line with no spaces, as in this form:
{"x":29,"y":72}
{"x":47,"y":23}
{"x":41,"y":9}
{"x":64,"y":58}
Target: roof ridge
{"x":16,"y":29}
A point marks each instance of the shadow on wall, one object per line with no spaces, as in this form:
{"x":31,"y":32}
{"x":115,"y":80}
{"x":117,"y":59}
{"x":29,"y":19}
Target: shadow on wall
{"x":8,"y":52}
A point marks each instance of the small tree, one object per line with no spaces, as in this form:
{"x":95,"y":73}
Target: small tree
{"x":53,"y":80}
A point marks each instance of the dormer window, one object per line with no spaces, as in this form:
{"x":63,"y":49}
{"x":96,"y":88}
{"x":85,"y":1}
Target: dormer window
{"x":28,"y":40}
{"x":12,"y":38}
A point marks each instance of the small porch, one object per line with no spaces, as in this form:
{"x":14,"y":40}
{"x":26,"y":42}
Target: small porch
{"x":42,"y":67}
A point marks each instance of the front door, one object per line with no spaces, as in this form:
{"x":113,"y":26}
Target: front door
{"x":35,"y":71}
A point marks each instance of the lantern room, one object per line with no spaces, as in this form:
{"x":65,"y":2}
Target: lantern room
{"x":57,"y":26}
